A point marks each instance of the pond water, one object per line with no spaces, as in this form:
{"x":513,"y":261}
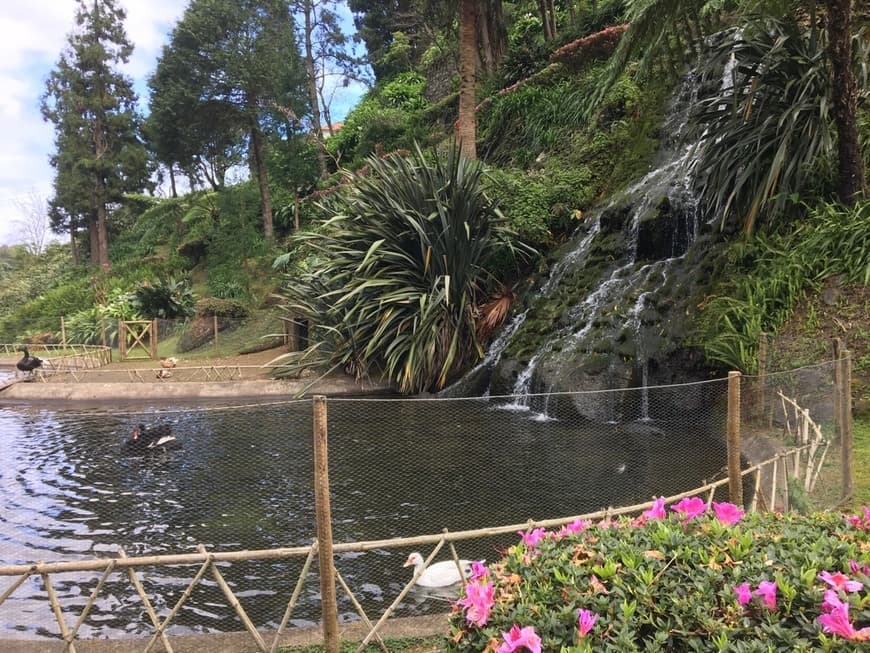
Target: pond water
{"x":243,"y":480}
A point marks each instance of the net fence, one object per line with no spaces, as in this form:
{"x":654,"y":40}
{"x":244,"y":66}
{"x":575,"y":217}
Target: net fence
{"x":243,"y":480}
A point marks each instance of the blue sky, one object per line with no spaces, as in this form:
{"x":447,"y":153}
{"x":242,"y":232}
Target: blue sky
{"x":32,"y":35}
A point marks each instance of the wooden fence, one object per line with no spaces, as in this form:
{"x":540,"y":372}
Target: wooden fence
{"x":804,"y":461}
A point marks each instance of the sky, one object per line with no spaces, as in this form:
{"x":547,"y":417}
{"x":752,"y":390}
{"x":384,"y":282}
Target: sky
{"x":32,"y":36}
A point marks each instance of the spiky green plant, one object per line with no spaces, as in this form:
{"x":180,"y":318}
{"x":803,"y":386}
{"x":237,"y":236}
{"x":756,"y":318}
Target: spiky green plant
{"x":400,"y":270}
{"x":768,"y":126}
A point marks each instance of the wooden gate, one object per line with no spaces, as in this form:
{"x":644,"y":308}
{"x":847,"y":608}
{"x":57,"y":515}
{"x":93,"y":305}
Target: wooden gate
{"x":137,"y":334}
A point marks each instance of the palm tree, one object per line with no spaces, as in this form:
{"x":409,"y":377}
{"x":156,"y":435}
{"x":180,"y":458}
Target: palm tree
{"x":466,"y":125}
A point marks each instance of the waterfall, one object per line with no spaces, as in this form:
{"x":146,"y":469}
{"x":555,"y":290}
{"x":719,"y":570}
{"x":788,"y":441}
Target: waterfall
{"x":613,"y":335}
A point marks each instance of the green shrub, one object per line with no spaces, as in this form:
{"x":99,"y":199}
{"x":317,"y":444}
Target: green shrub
{"x":679,"y":581}
{"x":221,"y":307}
{"x":166,"y":299}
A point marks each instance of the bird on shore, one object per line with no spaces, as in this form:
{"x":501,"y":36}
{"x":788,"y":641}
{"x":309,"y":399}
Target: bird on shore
{"x":168,"y":363}
{"x":438,"y":574}
{"x":28,"y":363}
{"x":163,"y":374}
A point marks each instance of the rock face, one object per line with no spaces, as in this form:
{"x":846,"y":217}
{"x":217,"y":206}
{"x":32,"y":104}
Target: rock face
{"x":616,"y":308}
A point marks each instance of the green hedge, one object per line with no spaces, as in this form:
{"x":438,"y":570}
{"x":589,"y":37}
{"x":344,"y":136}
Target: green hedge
{"x":682,"y":579}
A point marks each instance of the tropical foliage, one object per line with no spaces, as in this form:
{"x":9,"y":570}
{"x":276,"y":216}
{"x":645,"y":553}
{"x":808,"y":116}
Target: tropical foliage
{"x":679,"y":578}
{"x":399,"y":273}
{"x":770,"y":274}
{"x":769,"y":130}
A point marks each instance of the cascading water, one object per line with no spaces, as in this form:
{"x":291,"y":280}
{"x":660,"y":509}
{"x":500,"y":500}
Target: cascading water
{"x":632,"y":267}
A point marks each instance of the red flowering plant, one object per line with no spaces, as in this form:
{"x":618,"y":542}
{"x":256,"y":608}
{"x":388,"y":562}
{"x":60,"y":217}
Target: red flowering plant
{"x":595,"y":47}
{"x":677,"y":578}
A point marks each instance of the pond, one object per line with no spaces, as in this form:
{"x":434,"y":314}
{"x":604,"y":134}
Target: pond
{"x":244,"y":480}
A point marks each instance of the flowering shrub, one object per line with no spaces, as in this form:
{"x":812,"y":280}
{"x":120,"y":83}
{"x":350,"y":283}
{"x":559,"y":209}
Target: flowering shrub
{"x":590,"y":48}
{"x":678,"y":578}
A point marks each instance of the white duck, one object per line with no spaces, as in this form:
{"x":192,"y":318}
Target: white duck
{"x":438,"y":574}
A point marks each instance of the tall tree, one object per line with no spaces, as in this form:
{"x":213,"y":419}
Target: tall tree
{"x":851,"y":183}
{"x":99,"y":155}
{"x":466,"y":125}
{"x":228,"y":64}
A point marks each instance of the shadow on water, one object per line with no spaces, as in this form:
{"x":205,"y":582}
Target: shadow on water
{"x":243,"y":480}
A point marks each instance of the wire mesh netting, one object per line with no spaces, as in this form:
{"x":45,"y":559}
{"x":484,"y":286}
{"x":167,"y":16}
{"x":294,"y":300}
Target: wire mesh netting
{"x":242,"y":480}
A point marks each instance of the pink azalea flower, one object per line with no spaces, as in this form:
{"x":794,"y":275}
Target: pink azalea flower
{"x":520,"y":637}
{"x":840,"y":581}
{"x":478,"y":602}
{"x":837,"y":621}
{"x":832,"y":602}
{"x":690,"y":507}
{"x":727,"y":513}
{"x":657,"y":511}
{"x":586,"y":621}
{"x":864,"y":570}
{"x":531,"y":538}
{"x":744,"y":593}
{"x":767,"y":590}
{"x":574,"y":527}
{"x":478,"y":570}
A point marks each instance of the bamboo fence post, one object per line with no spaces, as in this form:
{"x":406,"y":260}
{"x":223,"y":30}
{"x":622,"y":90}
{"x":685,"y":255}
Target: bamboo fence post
{"x":846,"y":421}
{"x":14,"y":587}
{"x":735,"y":481}
{"x":215,"y":322}
{"x":325,"y":562}
{"x":181,"y":601}
{"x":90,"y":604}
{"x":294,"y":597}
{"x":762,"y":375}
{"x":122,"y":340}
{"x":58,"y":614}
{"x":234,"y":603}
{"x":360,"y":611}
{"x":153,"y":339}
{"x":149,"y":609}
{"x":838,"y":387}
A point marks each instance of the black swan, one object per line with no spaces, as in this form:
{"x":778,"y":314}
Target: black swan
{"x":28,"y":363}
{"x":158,"y":438}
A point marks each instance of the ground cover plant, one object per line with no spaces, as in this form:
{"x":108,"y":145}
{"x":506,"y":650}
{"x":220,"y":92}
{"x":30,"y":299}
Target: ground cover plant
{"x":684,"y":577}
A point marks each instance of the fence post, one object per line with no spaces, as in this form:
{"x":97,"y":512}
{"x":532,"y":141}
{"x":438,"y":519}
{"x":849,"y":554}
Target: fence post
{"x":328,"y":602}
{"x":122,"y":340}
{"x":762,"y":376}
{"x":735,"y":481}
{"x":153,"y":342}
{"x":845,"y":363}
{"x":836,"y":346}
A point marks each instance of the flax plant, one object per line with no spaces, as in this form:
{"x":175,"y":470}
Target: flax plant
{"x":400,"y":272}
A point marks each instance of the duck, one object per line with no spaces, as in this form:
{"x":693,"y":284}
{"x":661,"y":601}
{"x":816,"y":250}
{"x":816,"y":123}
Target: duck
{"x":164,"y":374}
{"x":168,"y":363}
{"x":28,"y":363}
{"x":438,"y":574}
{"x":144,"y":440}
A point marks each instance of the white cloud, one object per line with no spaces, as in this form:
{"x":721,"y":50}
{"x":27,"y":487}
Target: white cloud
{"x":33,"y":35}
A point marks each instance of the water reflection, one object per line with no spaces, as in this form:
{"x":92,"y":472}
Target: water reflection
{"x":244,"y":481}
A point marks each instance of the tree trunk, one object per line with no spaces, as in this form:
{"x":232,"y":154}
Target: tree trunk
{"x":553,"y":32}
{"x":466,"y":125}
{"x":172,"y":181}
{"x":311,"y":73}
{"x":851,"y":182}
{"x":259,"y":161}
{"x":492,"y":34}
{"x":545,"y":20}
{"x":73,"y":247}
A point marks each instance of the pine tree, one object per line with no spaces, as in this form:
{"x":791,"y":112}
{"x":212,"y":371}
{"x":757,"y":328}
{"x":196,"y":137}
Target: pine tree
{"x":99,"y":155}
